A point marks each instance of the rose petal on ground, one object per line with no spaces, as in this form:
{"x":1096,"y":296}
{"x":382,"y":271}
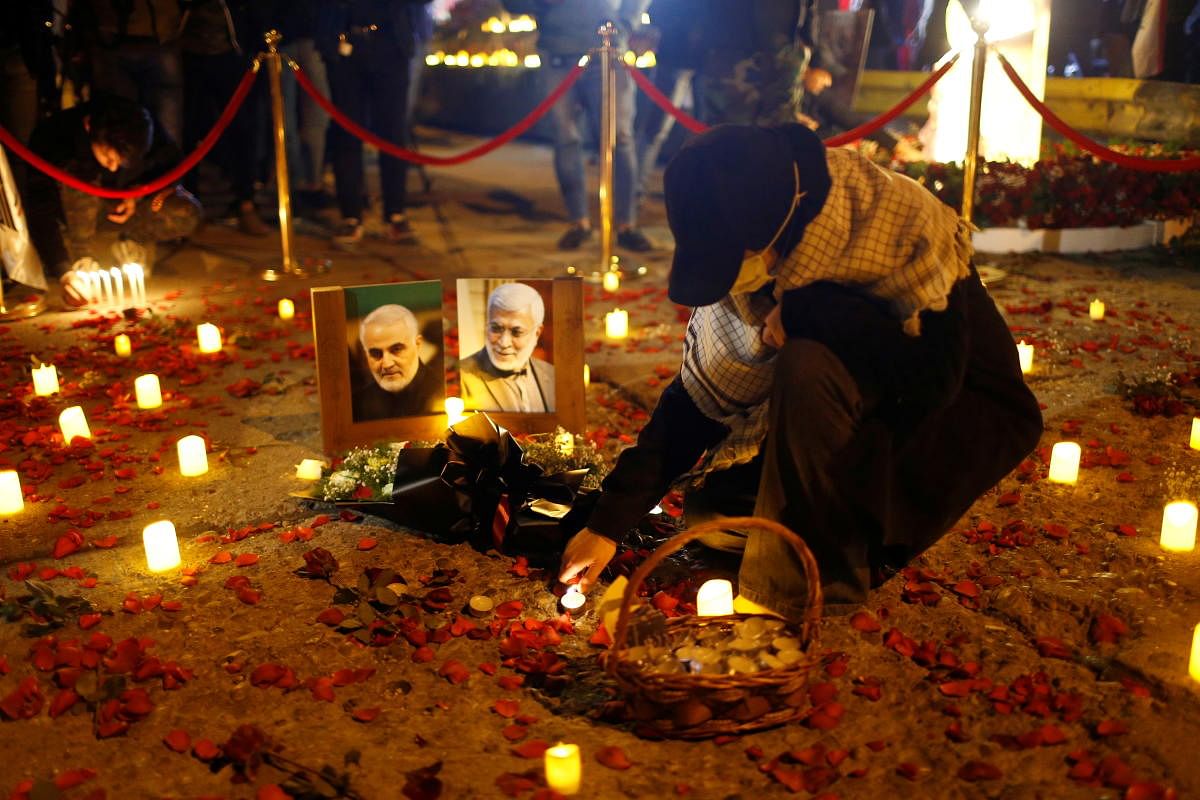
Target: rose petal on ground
{"x":979,"y":771}
{"x":366,"y":714}
{"x":178,"y":740}
{"x":534,"y":748}
{"x":367,"y":543}
{"x":613,"y":757}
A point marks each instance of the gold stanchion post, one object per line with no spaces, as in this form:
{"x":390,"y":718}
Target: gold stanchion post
{"x":288,"y":268}
{"x":971,"y":161}
{"x":608,"y":140}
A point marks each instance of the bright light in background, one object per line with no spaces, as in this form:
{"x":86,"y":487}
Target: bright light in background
{"x":1009,"y":128}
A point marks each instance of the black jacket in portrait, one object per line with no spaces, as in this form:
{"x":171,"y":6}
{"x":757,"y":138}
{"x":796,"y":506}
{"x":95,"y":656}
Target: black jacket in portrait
{"x":424,"y":395}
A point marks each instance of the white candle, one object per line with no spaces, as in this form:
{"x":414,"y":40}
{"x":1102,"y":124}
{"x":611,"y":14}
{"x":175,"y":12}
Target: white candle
{"x":287,"y":309}
{"x":72,"y":423}
{"x":715,"y":598}
{"x":1195,"y":440}
{"x":208,"y":336}
{"x":454,"y":410}
{"x":309,"y":469}
{"x":616,"y":323}
{"x":1096,"y":310}
{"x":563,"y":768}
{"x":193,"y":456}
{"x":587,"y":376}
{"x":162,"y":546}
{"x":1064,"y":463}
{"x":611,"y":281}
{"x":147,"y":391}
{"x":565,"y":443}
{"x":480,"y":605}
{"x":45,"y":380}
{"x":1025,"y":356}
{"x":12,"y":500}
{"x":122,"y":345}
{"x":137,"y":284}
{"x":119,"y":285}
{"x":1178,"y":527}
{"x":572,"y":598}
{"x":1194,"y":661}
{"x":106,"y":285}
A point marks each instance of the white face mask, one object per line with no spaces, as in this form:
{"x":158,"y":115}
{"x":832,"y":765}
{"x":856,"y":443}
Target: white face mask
{"x":754,"y":272}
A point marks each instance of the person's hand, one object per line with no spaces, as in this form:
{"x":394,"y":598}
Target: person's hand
{"x":817,"y":80}
{"x":773,"y":334}
{"x":587,"y":553}
{"x":157,"y":203}
{"x":123,"y":211}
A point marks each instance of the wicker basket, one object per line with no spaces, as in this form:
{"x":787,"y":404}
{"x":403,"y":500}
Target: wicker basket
{"x":698,"y":706}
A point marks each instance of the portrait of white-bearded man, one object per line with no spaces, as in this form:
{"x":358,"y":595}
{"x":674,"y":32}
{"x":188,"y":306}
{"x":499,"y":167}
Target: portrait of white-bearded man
{"x":504,"y":375}
{"x":397,"y":383}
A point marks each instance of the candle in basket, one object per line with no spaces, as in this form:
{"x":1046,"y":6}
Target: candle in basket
{"x":72,"y":423}
{"x":193,"y":456}
{"x":1195,"y":441}
{"x":611,"y":281}
{"x":162,"y":546}
{"x":309,"y":469}
{"x":1096,"y":310}
{"x":45,"y":380}
{"x":454,"y":410}
{"x":616,"y":323}
{"x":715,"y":598}
{"x":1025,"y":356}
{"x":122,"y":346}
{"x":287,"y":309}
{"x":208,"y":337}
{"x":563,"y":768}
{"x":1194,"y":661}
{"x":12,"y":499}
{"x":147,"y":391}
{"x":1064,"y":463}
{"x":1178,"y":527}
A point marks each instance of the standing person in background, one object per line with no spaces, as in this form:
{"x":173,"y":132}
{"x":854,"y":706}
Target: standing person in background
{"x":26,"y":70}
{"x":567,"y":32}
{"x":132,"y":48}
{"x":423,"y":28}
{"x":368,"y":47}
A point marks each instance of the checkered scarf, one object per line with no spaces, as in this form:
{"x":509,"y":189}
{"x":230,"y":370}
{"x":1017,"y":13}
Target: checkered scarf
{"x":879,"y":231}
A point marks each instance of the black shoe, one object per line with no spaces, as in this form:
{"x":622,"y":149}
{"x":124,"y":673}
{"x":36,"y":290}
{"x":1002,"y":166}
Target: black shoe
{"x":574,"y":237}
{"x":400,"y":230}
{"x":634,"y":240}
{"x":348,"y":234}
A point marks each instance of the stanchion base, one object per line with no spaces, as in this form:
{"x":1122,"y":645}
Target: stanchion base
{"x":271,"y":274}
{"x":307,"y":268}
{"x":10,"y":311}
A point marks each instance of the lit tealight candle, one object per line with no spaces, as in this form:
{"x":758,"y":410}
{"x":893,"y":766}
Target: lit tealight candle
{"x":587,"y":376}
{"x":454,"y":410}
{"x":611,"y":281}
{"x":616,"y":323}
{"x":122,"y":345}
{"x":11,"y":498}
{"x":1194,"y":661}
{"x":1025,"y":356}
{"x":563,"y":768}
{"x":1096,"y":310}
{"x":309,"y":469}
{"x":287,"y":309}
{"x":45,"y":380}
{"x":1195,"y":441}
{"x":1064,"y":462}
{"x":147,"y":391}
{"x":715,"y":598}
{"x":72,"y":423}
{"x":565,"y":443}
{"x":162,"y":546}
{"x":208,"y":337}
{"x":572,"y":599}
{"x":481,"y":605}
{"x":1179,"y":527}
{"x":193,"y":456}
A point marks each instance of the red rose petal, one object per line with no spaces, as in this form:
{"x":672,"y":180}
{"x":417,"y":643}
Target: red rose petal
{"x":613,"y":757}
{"x":178,"y":740}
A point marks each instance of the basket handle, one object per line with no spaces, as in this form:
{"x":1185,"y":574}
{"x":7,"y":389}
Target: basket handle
{"x":812,"y":614}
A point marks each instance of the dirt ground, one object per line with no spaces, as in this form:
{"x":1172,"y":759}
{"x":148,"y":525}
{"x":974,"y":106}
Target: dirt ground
{"x":1039,"y":650}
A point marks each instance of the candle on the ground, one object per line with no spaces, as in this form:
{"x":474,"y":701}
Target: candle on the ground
{"x":120,"y":286}
{"x":616,"y":323}
{"x":481,"y":605}
{"x":1025,"y":356}
{"x":563,"y":768}
{"x":287,"y":309}
{"x":587,"y":376}
{"x":147,"y":391}
{"x":45,"y":380}
{"x":1195,"y":440}
{"x":11,"y":498}
{"x":122,"y":345}
{"x":611,"y":281}
{"x":208,"y":336}
{"x":1064,"y":463}
{"x":137,"y":284}
{"x":1178,"y":527}
{"x":572,"y":598}
{"x":72,"y":423}
{"x":715,"y":598}
{"x":565,"y":443}
{"x":1194,"y":661}
{"x":162,"y":546}
{"x":1096,"y":310}
{"x":454,"y":410}
{"x":193,"y":456}
{"x":309,"y":469}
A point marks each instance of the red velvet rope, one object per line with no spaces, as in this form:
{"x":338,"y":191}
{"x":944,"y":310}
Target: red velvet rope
{"x":442,"y":161}
{"x":866,"y":129}
{"x":1091,"y":145}
{"x":235,"y":102}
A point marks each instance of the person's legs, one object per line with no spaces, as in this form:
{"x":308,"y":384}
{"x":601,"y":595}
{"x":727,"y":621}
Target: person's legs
{"x":349,"y":96}
{"x":389,"y":90}
{"x":625,"y":178}
{"x":19,"y":111}
{"x":568,"y":140}
{"x":312,"y":122}
{"x":159,"y":75}
{"x":178,"y":218}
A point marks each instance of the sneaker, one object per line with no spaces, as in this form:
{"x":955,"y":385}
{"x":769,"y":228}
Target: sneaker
{"x":634,"y":240}
{"x":250,"y":223}
{"x":349,"y":233}
{"x":400,"y":230}
{"x":574,"y":237}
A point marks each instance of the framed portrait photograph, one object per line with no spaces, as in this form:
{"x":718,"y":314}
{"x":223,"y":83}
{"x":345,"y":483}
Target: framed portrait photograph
{"x":381,"y":362}
{"x":520,"y":351}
